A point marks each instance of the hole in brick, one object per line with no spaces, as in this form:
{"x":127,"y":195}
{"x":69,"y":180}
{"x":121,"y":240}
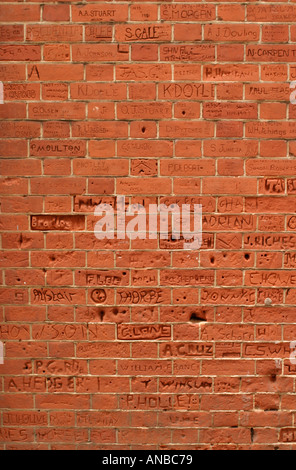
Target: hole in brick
{"x":273,"y":377}
{"x":194,"y":318}
{"x":184,"y":113}
{"x":102,"y":314}
{"x":143,"y":130}
{"x":212,"y":260}
{"x":247,"y":256}
{"x":252,"y":434}
{"x":115,"y":311}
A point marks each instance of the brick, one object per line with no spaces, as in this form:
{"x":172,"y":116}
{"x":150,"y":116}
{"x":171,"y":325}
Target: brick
{"x":231,"y":148}
{"x":107,"y":129}
{"x":233,"y":52}
{"x":21,"y":204}
{"x":187,"y":72}
{"x":101,"y":167}
{"x":194,"y":53}
{"x":186,"y":129}
{"x":101,"y":111}
{"x":104,"y":91}
{"x":187,"y":32}
{"x":231,"y":12}
{"x":57,"y":167}
{"x":21,"y":92}
{"x":143,"y":129}
{"x":19,"y":129}
{"x":143,"y":33}
{"x":185,"y":110}
{"x":56,"y":72}
{"x":13,"y":72}
{"x":24,"y":167}
{"x":56,"y":13}
{"x":268,"y":110}
{"x":229,"y":91}
{"x":12,"y":148}
{"x":147,"y":110}
{"x":233,"y":72}
{"x":187,"y":13}
{"x":99,"y":72}
{"x":148,"y":185}
{"x":20,"y":53}
{"x":234,"y":32}
{"x":99,"y":12}
{"x":264,"y":52}
{"x":143,"y":12}
{"x":186,"y":91}
{"x":56,"y":129}
{"x":19,"y":13}
{"x":230,"y":110}
{"x":147,"y":148}
{"x":275,"y":33}
{"x":55,"y":91}
{"x":269,"y":14}
{"x":49,"y":148}
{"x":67,"y":111}
{"x":99,"y":32}
{"x":12,"y":33}
{"x":58,"y":33}
{"x":230,"y":167}
{"x":56,"y":52}
{"x":182,"y":167}
{"x":101,"y":52}
{"x":58,"y":185}
{"x":146,"y":52}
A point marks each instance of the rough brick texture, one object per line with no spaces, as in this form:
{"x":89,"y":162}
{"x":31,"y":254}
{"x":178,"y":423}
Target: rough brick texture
{"x":139,"y":344}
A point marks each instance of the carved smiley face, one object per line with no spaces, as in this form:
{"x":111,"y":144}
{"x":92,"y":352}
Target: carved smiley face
{"x":99,"y":296}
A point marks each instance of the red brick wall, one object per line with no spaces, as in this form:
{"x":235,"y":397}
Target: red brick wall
{"x":131,"y":344}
